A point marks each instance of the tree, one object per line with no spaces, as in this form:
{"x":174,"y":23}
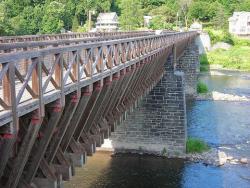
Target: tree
{"x":184,"y":9}
{"x":220,"y":19}
{"x":244,"y":6}
{"x":158,"y":23}
{"x":163,"y":17}
{"x":52,"y":21}
{"x":75,"y":24}
{"x":131,"y":14}
{"x":199,"y":10}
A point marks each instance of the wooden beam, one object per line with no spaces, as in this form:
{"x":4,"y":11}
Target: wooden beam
{"x":64,"y":122}
{"x":74,"y":122}
{"x":55,"y":111}
{"x":6,"y":149}
{"x":87,"y":112}
{"x":24,"y":151}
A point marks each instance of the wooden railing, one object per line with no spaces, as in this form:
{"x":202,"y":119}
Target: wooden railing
{"x":28,"y":38}
{"x":32,"y":45}
{"x":54,"y":72}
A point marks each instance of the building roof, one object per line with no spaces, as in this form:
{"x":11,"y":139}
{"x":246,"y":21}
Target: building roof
{"x":109,"y":17}
{"x":236,"y":15}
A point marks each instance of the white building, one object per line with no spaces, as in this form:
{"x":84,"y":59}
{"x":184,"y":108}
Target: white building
{"x":147,"y":20}
{"x":239,"y":23}
{"x":196,"y":27}
{"x":107,"y":22}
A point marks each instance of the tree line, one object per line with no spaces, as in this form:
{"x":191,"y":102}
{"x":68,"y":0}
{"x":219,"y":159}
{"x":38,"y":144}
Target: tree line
{"x":20,"y":17}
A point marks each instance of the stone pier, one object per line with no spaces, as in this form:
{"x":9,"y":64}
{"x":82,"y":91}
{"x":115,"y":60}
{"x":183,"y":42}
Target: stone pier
{"x":157,"y":124}
{"x":189,"y":64}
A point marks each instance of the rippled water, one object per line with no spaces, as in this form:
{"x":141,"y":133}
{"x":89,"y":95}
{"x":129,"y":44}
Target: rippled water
{"x":222,"y":124}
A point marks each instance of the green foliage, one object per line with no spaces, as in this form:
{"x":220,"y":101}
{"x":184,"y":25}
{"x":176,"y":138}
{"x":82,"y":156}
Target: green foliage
{"x":164,"y":152}
{"x":163,"y":18}
{"x":19,"y":17}
{"x":203,"y":59}
{"x":131,"y":15}
{"x":237,"y":57}
{"x":220,"y":36}
{"x":75,"y":24}
{"x":241,"y":42}
{"x":201,"y":87}
{"x":199,"y":10}
{"x":158,"y":23}
{"x":228,"y":38}
{"x":243,"y":6}
{"x":52,"y":21}
{"x":204,"y":68}
{"x":195,"y":145}
{"x":219,"y":18}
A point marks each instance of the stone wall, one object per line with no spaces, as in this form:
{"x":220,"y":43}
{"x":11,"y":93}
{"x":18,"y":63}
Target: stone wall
{"x":158,"y":124}
{"x":189,"y":64}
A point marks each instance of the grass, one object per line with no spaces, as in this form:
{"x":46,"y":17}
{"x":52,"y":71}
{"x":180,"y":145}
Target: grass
{"x":195,"y":145}
{"x":204,"y":68}
{"x":201,"y":87}
{"x":237,"y":57}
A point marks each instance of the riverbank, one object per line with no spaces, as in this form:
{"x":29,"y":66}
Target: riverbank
{"x":235,"y":56}
{"x":217,"y":96}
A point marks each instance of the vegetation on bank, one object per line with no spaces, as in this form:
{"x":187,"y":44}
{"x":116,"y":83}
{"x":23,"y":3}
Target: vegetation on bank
{"x":195,"y":145}
{"x":201,"y":87}
{"x":20,"y":17}
{"x":237,"y":57}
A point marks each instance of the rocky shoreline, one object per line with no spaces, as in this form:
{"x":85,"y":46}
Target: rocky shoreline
{"x":217,"y":96}
{"x":216,"y":157}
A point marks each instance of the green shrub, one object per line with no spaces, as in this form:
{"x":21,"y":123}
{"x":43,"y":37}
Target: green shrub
{"x":203,"y":59}
{"x":204,"y":68}
{"x":228,"y":38}
{"x":241,"y":42}
{"x":195,"y":145}
{"x":201,"y":87}
{"x":220,"y":36}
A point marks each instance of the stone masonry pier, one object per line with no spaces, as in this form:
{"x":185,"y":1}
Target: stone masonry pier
{"x":157,"y":124}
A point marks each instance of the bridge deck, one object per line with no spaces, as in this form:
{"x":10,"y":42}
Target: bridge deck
{"x":55,"y":72}
{"x":59,"y":99}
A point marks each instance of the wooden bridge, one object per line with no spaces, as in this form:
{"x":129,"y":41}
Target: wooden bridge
{"x":61,"y":95}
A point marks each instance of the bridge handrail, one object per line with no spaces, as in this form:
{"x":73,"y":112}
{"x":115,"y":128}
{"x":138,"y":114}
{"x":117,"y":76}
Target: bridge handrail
{"x":7,"y":47}
{"x":42,"y":52}
{"x":71,"y":68}
{"x":11,"y":39}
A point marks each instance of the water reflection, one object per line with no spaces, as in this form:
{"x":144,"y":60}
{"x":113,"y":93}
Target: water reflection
{"x":128,"y":171}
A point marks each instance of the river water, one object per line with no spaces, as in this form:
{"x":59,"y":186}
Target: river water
{"x":224,"y":125}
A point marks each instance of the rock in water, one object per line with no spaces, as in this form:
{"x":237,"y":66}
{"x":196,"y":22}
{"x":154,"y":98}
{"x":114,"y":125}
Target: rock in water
{"x":243,"y":160}
{"x":222,"y":158}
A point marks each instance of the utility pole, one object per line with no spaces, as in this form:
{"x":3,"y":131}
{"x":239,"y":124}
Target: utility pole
{"x":89,"y":20}
{"x":177,"y":19}
{"x":89,"y":17}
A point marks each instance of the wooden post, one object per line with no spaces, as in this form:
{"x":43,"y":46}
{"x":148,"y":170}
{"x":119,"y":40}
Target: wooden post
{"x":37,"y":84}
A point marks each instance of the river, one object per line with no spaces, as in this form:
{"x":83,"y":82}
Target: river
{"x":222,"y":124}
